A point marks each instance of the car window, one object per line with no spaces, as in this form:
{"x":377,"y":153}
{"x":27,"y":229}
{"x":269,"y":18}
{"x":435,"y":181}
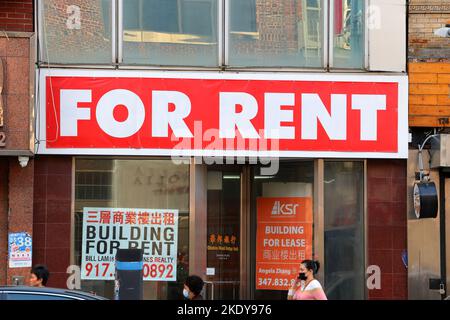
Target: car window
{"x":35,"y":296}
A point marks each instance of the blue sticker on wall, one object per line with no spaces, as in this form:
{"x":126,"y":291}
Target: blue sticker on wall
{"x":20,"y":248}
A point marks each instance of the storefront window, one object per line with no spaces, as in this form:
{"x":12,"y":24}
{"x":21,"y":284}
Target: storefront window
{"x":344,"y":230}
{"x":84,"y":28}
{"x":170,"y":32}
{"x":286,"y":34}
{"x":188,"y":33}
{"x":130,"y":183}
{"x":349,"y":34}
{"x":276,"y":252}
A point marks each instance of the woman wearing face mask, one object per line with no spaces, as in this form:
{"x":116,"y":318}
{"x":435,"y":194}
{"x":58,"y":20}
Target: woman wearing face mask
{"x":193,"y":287}
{"x":305,"y":286}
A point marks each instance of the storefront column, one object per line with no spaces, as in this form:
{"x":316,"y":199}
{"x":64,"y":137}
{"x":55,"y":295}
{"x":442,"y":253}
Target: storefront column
{"x":4,"y":168}
{"x":198,"y":218}
{"x":245,"y":235}
{"x":319,"y":242}
{"x":20,"y":199}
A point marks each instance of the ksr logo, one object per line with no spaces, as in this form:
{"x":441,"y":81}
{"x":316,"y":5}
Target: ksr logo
{"x":284,"y":209}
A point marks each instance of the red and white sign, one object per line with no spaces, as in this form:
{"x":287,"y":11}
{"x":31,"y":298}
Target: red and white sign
{"x":226,"y":114}
{"x":284,"y":235}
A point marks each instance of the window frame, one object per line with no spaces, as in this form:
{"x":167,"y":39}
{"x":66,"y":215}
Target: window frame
{"x":115,"y":42}
{"x":330,"y":45}
{"x":75,"y":259}
{"x":119,"y":27}
{"x":223,"y":25}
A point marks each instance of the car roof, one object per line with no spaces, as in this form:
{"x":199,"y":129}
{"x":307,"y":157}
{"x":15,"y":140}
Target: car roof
{"x":73,"y":293}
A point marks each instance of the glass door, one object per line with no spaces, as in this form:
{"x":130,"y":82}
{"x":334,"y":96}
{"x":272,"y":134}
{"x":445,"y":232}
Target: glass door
{"x":223,"y":231}
{"x":281,"y":227}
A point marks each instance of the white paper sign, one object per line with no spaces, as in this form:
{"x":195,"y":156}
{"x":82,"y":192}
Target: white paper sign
{"x":107,"y":229}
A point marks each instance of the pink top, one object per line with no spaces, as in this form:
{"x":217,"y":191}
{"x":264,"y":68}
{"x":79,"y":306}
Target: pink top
{"x":313,"y":291}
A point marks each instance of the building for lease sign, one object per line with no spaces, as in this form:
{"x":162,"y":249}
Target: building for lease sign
{"x":107,"y":229}
{"x":283,"y":240}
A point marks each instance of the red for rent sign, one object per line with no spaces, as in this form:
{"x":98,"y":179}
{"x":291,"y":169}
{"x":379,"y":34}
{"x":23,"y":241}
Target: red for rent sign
{"x":201,"y":113}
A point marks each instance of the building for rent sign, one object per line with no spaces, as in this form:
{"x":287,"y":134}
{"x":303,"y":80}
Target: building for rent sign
{"x":225,"y":114}
{"x":283,"y":240}
{"x":107,"y":229}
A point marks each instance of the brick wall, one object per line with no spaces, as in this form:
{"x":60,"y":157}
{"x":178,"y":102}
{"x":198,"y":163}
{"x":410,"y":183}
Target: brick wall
{"x":16,"y":210}
{"x":424,"y":18}
{"x":429,"y":64}
{"x":16,"y":15}
{"x":16,"y":94}
{"x":20,"y":205}
{"x":387,"y":226}
{"x":277,"y":27}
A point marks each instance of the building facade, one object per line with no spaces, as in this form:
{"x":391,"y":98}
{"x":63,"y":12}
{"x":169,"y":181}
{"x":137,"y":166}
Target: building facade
{"x":17,"y":74}
{"x":429,"y":110}
{"x":229,"y":139}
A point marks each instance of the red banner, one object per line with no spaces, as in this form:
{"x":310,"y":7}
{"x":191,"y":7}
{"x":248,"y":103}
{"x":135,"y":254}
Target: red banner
{"x":283,"y":240}
{"x":103,"y":112}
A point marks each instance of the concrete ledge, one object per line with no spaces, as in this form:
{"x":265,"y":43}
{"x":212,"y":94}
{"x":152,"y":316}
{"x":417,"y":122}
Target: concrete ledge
{"x":15,"y":34}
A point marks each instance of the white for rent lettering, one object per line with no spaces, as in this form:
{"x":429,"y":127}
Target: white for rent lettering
{"x":170,"y":109}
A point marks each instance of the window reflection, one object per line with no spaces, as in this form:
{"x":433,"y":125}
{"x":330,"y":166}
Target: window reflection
{"x":285,"y":33}
{"x":128,"y":183}
{"x":83,"y":27}
{"x":223,"y":232}
{"x":260,"y":33}
{"x":170,"y":32}
{"x":349,"y":33}
{"x":344,"y":230}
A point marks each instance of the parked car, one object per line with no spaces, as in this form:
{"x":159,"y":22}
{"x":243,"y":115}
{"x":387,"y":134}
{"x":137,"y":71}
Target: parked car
{"x":33,"y":293}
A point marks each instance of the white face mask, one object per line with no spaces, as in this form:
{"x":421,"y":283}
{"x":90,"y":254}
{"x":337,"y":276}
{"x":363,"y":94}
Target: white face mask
{"x":185,"y":293}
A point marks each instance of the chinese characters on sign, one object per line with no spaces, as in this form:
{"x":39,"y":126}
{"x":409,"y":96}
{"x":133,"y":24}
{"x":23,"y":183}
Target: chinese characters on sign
{"x":20,"y":250}
{"x":222,"y":242}
{"x":107,"y":229}
{"x":283,"y":240}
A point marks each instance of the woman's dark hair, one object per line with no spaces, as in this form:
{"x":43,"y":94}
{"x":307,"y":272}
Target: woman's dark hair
{"x":41,"y":272}
{"x":312,"y":265}
{"x":195,"y":284}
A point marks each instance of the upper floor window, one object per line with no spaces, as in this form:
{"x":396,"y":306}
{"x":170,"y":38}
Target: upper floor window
{"x":76,"y":34}
{"x":348,"y":33}
{"x":318,"y":34}
{"x":170,"y":32}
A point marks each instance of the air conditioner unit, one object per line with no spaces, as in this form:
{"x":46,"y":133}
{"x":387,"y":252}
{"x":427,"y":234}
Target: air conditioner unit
{"x":440,"y":151}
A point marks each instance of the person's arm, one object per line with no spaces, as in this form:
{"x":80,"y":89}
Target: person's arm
{"x":291,"y":293}
{"x":292,"y":290}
